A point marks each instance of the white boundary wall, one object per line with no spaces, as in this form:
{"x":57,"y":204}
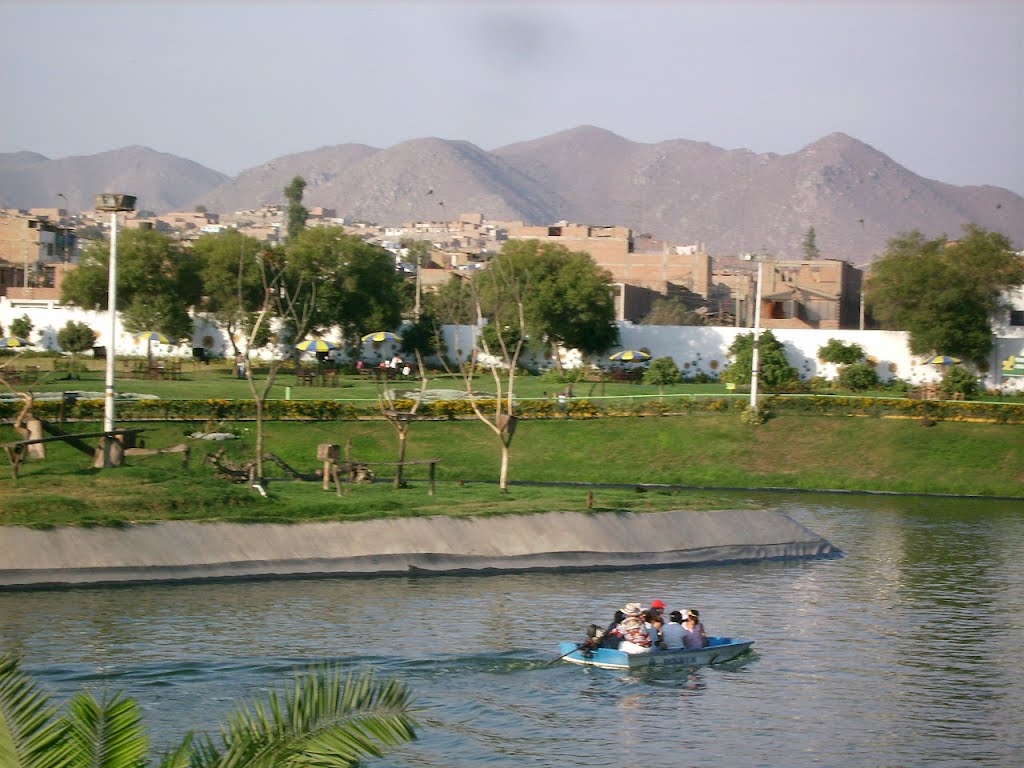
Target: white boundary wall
{"x":694,"y":348}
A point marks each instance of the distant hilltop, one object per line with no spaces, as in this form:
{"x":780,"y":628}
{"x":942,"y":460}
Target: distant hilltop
{"x":733,"y":201}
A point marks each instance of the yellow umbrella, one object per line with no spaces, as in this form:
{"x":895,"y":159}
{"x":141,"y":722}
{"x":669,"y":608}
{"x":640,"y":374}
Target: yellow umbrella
{"x":379,"y":336}
{"x":631,"y":356}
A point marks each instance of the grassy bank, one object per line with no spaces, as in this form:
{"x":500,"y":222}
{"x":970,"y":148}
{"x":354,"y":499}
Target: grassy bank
{"x":702,"y":450}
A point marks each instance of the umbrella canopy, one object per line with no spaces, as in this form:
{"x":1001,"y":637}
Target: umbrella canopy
{"x":379,"y":336}
{"x":14,"y":341}
{"x":151,"y":336}
{"x":942,"y":360}
{"x":315,"y":345}
{"x":630,"y":356}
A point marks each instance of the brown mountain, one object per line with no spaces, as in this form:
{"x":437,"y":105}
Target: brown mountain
{"x":854,"y":196}
{"x":160,"y":182}
{"x":391,"y":186}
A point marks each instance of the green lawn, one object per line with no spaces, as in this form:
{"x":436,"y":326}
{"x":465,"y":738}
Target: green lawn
{"x":701,"y":450}
{"x":216,"y":380}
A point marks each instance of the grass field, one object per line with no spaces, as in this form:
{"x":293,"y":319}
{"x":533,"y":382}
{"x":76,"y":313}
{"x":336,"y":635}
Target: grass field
{"x":707,"y":451}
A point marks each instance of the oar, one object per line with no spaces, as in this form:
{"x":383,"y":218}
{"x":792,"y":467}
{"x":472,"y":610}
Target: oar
{"x":578,"y":646}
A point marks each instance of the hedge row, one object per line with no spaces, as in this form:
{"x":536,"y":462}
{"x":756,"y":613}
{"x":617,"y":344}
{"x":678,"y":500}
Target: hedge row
{"x":581,"y":408}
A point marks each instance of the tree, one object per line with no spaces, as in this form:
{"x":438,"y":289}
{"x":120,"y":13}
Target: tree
{"x":671,"y":310}
{"x":232,"y":285}
{"x":957,"y":381}
{"x":417,"y":252}
{"x":326,"y":718}
{"x":839,"y":353}
{"x":662,"y":371}
{"x":774,"y":369}
{"x":288,"y":300}
{"x":858,"y":377}
{"x":75,"y":338}
{"x":357,"y":286}
{"x":157,"y":282}
{"x":423,"y":337}
{"x":296,"y":213}
{"x":810,"y":245}
{"x":944,"y":293}
{"x":501,"y":346}
{"x":567,"y":298}
{"x":451,"y":303}
{"x":21,"y":326}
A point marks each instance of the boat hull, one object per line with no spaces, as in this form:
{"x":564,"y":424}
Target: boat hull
{"x":719,"y":649}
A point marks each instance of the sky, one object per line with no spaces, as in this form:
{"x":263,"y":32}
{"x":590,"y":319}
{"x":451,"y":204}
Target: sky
{"x":937,"y":86}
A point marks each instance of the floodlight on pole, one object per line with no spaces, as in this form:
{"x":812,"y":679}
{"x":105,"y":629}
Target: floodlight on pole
{"x":114,"y":203}
{"x":755,"y":361}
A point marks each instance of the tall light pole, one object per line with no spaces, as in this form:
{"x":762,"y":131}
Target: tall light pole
{"x":113,"y":203}
{"x":755,"y":360}
{"x":67,"y":229}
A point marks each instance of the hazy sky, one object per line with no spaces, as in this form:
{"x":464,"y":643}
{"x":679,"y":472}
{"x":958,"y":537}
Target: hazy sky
{"x":938,"y":86}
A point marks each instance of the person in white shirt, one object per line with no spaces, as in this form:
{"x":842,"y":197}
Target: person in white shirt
{"x":672,"y":632}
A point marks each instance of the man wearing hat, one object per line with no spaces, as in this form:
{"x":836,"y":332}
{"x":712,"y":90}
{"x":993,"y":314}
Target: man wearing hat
{"x":635,"y":637}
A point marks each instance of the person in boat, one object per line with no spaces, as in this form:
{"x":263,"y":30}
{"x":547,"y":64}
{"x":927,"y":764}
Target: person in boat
{"x":657,"y":610}
{"x":694,"y":635}
{"x":612,"y":637}
{"x":672,"y":632}
{"x":652,"y":623}
{"x":635,"y":638}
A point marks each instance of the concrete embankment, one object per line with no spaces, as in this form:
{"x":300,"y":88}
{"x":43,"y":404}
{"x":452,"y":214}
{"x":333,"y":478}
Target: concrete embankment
{"x":554,"y":541}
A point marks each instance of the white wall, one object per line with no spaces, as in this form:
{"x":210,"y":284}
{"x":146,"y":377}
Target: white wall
{"x":694,"y":348}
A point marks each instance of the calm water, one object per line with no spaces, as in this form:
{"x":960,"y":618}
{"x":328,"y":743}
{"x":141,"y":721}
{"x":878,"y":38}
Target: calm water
{"x":905,"y":652}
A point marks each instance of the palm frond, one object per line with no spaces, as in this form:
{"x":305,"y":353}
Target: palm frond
{"x":108,"y":733}
{"x":326,"y":720}
{"x":182,"y":755}
{"x":31,"y":736}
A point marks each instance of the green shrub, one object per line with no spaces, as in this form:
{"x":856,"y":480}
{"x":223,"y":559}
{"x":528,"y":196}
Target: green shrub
{"x":841,"y":354}
{"x":959,"y":381}
{"x":858,"y":377}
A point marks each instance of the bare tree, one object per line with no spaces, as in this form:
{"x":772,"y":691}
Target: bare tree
{"x":502,"y":346}
{"x":289,"y":302}
{"x":401,"y":420}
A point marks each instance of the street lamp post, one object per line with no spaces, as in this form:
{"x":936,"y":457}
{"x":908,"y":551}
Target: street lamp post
{"x":67,"y":229}
{"x":755,"y":360}
{"x":113,"y":203}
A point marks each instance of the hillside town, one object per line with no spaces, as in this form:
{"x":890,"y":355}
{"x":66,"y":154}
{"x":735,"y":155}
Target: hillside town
{"x":40,"y":246}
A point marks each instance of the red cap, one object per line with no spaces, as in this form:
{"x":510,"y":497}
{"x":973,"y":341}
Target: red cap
{"x":658,"y":604}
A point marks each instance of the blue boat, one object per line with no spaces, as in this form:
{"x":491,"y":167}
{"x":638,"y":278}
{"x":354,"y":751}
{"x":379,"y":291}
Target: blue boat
{"x":718,"y":649}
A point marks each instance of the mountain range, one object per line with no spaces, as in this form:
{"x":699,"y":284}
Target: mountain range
{"x":733,"y":201}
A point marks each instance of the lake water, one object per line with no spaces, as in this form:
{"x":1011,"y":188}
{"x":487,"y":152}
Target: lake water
{"x":904,"y":652}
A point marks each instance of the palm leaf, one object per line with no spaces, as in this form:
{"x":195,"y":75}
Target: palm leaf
{"x":326,"y":720}
{"x":107,"y":734}
{"x":30,"y":735}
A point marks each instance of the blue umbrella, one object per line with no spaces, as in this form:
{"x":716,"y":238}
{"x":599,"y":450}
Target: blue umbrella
{"x":149,"y":336}
{"x":14,"y":341}
{"x":379,"y":336}
{"x":315,"y":345}
{"x":943,"y":360}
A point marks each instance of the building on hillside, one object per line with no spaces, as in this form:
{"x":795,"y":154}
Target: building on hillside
{"x":34,"y":253}
{"x":643,"y":269}
{"x":820,"y":293}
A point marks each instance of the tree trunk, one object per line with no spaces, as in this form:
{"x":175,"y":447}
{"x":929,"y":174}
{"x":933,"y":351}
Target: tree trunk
{"x":503,"y":479}
{"x":403,"y":434}
{"x":259,"y":438}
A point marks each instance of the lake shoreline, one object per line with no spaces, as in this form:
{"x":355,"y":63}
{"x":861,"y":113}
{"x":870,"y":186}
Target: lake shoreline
{"x":180,"y":551}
